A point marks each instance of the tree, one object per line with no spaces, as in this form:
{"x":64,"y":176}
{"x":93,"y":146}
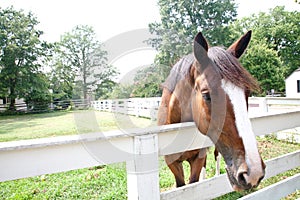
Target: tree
{"x":62,"y":80}
{"x":264,"y":64}
{"x":147,"y":81}
{"x":280,"y":31}
{"x":121,"y":92}
{"x":38,"y":98}
{"x":180,"y":22}
{"x":274,"y":49}
{"x":85,"y":59}
{"x":21,"y":55}
{"x":104,"y":89}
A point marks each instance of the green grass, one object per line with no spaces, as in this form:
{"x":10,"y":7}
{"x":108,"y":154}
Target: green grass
{"x":36,"y":126}
{"x":103,"y":182}
{"x":64,"y":123}
{"x":95,"y":183}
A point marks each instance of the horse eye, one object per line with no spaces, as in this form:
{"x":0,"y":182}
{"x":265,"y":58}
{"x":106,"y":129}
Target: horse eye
{"x":206,"y":97}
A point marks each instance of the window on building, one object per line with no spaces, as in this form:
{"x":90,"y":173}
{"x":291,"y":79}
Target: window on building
{"x":298,"y":86}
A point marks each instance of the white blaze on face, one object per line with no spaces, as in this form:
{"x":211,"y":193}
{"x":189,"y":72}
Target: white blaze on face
{"x":243,"y":124}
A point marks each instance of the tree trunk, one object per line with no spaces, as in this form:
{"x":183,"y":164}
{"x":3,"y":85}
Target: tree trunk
{"x":84,"y":82}
{"x":12,"y":97}
{"x":12,"y":105}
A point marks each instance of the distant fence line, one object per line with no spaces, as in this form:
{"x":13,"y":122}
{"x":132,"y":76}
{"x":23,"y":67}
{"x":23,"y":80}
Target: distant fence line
{"x":140,"y":107}
{"x":271,"y":104}
{"x":22,"y":106}
{"x":148,"y":107}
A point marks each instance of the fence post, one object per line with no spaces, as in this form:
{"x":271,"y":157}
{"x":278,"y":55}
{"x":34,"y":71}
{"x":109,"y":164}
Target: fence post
{"x":264,"y":105}
{"x":137,"y":108}
{"x":143,"y":171}
{"x":110,"y":105}
{"x":153,"y":110}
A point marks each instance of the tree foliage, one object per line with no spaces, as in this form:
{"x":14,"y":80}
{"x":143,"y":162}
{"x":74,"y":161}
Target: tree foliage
{"x":180,"y":22}
{"x":273,"y":53}
{"x":84,"y":63}
{"x":104,"y":89}
{"x":39,"y":96}
{"x":22,"y":53}
{"x":264,"y":64}
{"x":62,"y":79}
{"x":279,"y":30}
{"x":121,"y":92}
{"x":274,"y":50}
{"x":147,"y":82}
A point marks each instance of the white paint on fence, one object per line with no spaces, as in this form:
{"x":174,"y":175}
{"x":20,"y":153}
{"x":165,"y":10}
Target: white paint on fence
{"x":217,"y":186}
{"x":143,"y":170}
{"x":21,"y":159}
{"x":148,"y":107}
{"x":277,"y":190}
{"x":140,"y":107}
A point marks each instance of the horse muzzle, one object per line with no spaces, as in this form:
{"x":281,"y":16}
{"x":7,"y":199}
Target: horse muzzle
{"x":244,"y":177}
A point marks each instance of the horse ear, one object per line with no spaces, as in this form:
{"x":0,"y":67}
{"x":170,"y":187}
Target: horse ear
{"x":200,"y":48}
{"x":237,"y":49}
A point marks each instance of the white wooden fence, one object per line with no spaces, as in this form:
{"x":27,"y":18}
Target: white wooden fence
{"x":147,"y":107}
{"x":140,"y":150}
{"x":272,"y":104}
{"x":140,"y":107}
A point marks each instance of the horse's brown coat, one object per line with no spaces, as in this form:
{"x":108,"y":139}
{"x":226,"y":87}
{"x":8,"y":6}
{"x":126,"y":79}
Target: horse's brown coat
{"x":193,"y":92}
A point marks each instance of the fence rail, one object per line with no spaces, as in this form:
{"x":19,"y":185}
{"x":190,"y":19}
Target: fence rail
{"x":217,"y":186}
{"x":34,"y":107}
{"x":140,"y":149}
{"x":275,"y":104}
{"x":148,"y":107}
{"x":140,"y":107}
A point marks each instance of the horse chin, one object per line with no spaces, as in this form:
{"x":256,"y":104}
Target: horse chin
{"x":237,"y":188}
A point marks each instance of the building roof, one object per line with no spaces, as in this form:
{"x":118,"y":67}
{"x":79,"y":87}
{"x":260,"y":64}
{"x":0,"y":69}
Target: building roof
{"x":297,"y":70}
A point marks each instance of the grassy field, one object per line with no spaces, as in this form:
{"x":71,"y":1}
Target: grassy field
{"x":103,"y":182}
{"x":65,"y":123}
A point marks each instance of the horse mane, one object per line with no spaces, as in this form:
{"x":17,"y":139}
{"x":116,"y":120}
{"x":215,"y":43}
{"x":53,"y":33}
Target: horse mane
{"x":179,"y":72}
{"x":225,"y":64}
{"x":231,"y":70}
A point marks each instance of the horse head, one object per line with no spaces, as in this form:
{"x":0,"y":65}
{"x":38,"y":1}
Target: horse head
{"x":220,"y":105}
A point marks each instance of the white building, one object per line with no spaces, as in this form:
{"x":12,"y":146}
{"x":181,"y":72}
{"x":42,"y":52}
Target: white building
{"x":292,"y":84}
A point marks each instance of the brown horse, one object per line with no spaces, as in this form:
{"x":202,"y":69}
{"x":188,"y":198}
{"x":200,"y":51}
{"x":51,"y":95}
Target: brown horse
{"x":211,"y":88}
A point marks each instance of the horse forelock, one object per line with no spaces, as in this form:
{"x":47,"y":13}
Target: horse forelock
{"x":231,"y":70}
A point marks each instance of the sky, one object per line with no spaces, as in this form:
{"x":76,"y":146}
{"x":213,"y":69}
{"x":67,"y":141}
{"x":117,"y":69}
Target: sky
{"x":113,"y":18}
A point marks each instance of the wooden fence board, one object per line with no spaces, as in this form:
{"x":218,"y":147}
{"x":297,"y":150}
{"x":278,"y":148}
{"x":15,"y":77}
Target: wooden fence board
{"x":277,"y":190}
{"x":217,"y":186}
{"x":282,"y":163}
{"x":206,"y":189}
{"x":33,"y":161}
{"x":51,"y":155}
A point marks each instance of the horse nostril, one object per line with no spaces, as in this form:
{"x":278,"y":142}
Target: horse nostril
{"x":261,"y":178}
{"x":242,"y":179}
